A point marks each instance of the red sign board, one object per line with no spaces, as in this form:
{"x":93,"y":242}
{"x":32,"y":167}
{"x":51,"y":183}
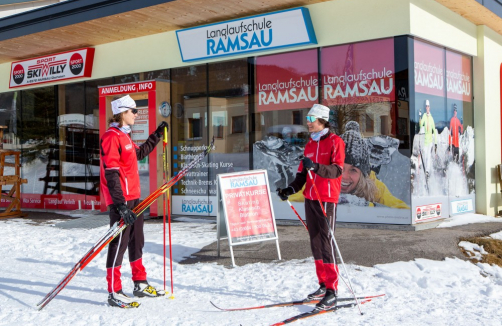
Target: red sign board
{"x":428,"y":212}
{"x":358,"y":73}
{"x":127,"y":88}
{"x":246,"y":202}
{"x":51,"y":68}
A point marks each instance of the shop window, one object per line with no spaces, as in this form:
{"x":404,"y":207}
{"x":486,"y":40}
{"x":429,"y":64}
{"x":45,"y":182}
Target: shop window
{"x":38,"y":138}
{"x":9,"y":111}
{"x":127,"y":78}
{"x":286,"y":88}
{"x":156,"y":74}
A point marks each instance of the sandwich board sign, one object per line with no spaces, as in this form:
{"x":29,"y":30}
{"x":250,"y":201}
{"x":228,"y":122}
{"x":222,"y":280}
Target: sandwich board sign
{"x":245,"y":213}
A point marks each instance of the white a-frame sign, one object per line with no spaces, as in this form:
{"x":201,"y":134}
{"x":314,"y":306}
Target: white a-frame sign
{"x":245,"y":212}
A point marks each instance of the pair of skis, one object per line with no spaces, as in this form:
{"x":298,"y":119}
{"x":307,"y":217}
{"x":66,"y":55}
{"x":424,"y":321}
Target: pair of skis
{"x":308,"y":314}
{"x":118,"y":227}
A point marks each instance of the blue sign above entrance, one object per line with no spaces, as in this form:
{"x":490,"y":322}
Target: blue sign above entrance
{"x":257,"y":33}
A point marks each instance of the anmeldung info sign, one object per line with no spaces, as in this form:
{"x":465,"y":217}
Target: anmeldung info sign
{"x":245,"y":213}
{"x":280,"y":29}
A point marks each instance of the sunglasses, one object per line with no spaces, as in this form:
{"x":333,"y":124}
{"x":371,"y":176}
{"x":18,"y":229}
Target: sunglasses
{"x":133,"y":110}
{"x":311,"y":118}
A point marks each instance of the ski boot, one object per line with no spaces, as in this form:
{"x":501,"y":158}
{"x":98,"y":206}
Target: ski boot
{"x":328,"y":302}
{"x":319,"y":294}
{"x":143,"y":289}
{"x":121,"y":300}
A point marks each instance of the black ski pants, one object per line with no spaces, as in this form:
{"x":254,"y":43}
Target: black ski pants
{"x":132,"y":238}
{"x":320,"y":237}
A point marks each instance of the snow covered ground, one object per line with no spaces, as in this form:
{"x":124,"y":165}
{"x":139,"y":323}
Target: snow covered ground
{"x":421,"y":292}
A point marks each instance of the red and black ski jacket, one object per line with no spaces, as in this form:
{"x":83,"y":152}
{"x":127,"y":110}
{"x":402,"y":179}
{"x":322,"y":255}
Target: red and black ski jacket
{"x":328,"y":155}
{"x":119,"y":165}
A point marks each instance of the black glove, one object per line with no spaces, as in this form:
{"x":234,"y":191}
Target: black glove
{"x":127,"y":215}
{"x":160,"y":129}
{"x":307,"y":163}
{"x":285,"y":193}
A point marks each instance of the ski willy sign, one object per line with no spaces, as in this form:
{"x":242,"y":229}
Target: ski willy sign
{"x":50,"y":68}
{"x":246,"y":209}
{"x":257,"y":33}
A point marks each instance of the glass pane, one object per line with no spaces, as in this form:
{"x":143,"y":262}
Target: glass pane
{"x":286,"y":89}
{"x":459,"y":154}
{"x":156,"y":74}
{"x":92,"y":141}
{"x":190,"y":137}
{"x":38,"y":137}
{"x":9,"y":120}
{"x":69,"y":155}
{"x":430,"y":141}
{"x":229,"y":107}
{"x":127,"y":79}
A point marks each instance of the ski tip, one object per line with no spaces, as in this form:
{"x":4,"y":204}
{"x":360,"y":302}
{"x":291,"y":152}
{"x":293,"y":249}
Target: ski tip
{"x":216,"y":306}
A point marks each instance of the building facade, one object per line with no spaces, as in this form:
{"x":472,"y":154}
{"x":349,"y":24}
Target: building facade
{"x":412,"y":82}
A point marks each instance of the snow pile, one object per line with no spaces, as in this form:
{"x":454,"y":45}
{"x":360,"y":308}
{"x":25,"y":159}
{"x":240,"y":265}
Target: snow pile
{"x":420,"y":292}
{"x":468,"y":219}
{"x":475,"y":251}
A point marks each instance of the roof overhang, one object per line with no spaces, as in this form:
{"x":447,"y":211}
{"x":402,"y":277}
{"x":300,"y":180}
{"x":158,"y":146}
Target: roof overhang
{"x":76,"y":24}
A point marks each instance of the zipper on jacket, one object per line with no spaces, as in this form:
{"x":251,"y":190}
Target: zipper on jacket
{"x":125,"y":177}
{"x":315,"y":175}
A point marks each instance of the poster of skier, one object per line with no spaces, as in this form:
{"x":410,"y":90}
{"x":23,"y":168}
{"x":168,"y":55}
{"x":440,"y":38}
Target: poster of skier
{"x":442,"y":160}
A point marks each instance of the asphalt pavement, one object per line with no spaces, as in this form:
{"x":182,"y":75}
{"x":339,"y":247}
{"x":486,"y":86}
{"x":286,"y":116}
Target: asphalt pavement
{"x":361,"y":246}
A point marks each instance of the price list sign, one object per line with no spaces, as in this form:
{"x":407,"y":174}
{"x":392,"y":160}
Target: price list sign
{"x":245,"y":212}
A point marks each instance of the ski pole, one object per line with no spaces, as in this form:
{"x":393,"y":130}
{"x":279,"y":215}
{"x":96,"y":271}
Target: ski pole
{"x":351,"y":288}
{"x":169,"y":222}
{"x":164,"y":204}
{"x":298,"y":215}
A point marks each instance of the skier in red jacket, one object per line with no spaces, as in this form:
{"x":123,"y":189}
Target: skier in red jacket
{"x":456,"y":129}
{"x":121,"y":189}
{"x":324,"y":157}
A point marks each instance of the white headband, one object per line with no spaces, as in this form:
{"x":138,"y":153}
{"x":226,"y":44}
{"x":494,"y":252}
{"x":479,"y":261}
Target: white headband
{"x":123,"y":104}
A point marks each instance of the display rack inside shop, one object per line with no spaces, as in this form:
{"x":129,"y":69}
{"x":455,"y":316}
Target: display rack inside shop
{"x":79,"y":148}
{"x":10,"y":158}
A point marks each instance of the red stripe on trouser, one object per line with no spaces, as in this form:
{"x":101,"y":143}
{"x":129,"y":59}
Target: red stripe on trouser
{"x":319,"y":269}
{"x":331,"y":276}
{"x":138,"y":270}
{"x":113,"y":279}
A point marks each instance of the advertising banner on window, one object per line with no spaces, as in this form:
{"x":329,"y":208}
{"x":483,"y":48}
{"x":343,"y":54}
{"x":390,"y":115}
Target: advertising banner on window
{"x":287,"y":81}
{"x":358,"y":73}
{"x":458,"y":77}
{"x":429,"y":69}
{"x":442,"y":160}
